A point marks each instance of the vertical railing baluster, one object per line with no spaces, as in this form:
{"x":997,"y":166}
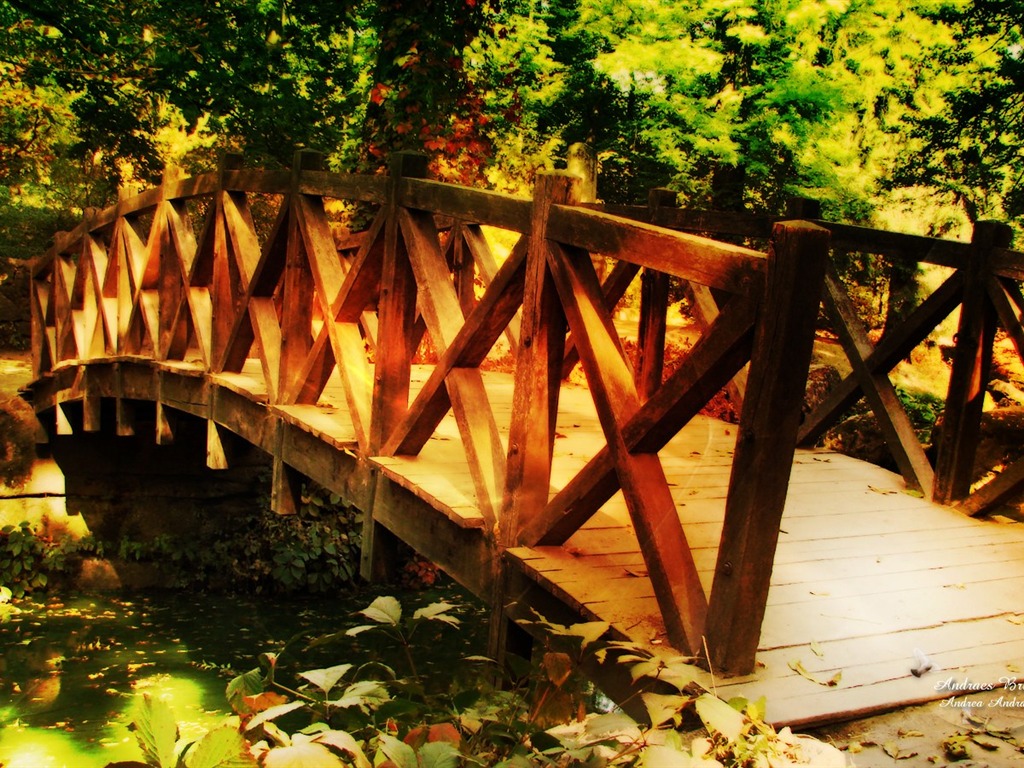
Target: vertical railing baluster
{"x":397,"y":312}
{"x":972,"y":362}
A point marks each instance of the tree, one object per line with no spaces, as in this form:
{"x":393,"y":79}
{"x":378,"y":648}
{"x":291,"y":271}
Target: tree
{"x":972,"y":147}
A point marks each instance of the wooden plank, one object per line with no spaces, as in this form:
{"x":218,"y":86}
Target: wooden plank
{"x":296,"y":309}
{"x":471,"y":205}
{"x":614,"y":288}
{"x":715,"y":358}
{"x":442,"y":311}
{"x":397,"y":311}
{"x":462,"y":552}
{"x":891,"y":349}
{"x":468,"y":349}
{"x":488,"y":268}
{"x":538,"y":372}
{"x":653,"y":326}
{"x":708,"y":262}
{"x":897,"y":431}
{"x":1000,"y":489}
{"x":263,"y":283}
{"x":765,"y":444}
{"x":640,"y":475}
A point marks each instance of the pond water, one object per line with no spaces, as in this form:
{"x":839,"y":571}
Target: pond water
{"x":72,"y":666}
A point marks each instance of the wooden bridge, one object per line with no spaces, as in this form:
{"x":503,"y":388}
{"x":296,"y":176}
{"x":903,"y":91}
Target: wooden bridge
{"x":422,"y":374}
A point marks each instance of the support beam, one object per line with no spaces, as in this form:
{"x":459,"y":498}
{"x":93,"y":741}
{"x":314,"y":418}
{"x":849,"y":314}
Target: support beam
{"x":972,"y":362}
{"x":765,"y":444}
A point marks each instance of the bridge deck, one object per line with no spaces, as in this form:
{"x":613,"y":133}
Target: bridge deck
{"x":865,"y":573}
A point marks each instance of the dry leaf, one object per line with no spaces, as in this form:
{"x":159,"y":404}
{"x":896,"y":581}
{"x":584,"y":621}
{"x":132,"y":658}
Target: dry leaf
{"x":817,"y":650}
{"x":797,"y":666}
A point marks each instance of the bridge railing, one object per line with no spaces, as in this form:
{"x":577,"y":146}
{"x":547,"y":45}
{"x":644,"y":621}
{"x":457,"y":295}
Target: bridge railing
{"x":187,"y":272}
{"x":983,"y":282}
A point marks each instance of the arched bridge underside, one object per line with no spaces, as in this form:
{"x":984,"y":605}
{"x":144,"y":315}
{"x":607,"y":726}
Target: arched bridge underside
{"x":802,"y":575}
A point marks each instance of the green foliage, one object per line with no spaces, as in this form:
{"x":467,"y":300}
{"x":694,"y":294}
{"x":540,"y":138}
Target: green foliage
{"x":923,"y":409}
{"x":366,"y":715}
{"x":28,"y":560}
{"x":314,"y":551}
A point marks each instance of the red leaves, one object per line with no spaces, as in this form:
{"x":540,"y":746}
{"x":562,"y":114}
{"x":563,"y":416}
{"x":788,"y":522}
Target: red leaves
{"x":379,"y":92}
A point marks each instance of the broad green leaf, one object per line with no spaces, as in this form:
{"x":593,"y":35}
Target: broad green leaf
{"x":666,"y":757}
{"x":661,"y":707}
{"x":360,"y":629}
{"x":439,"y":754}
{"x":437,"y":612}
{"x":678,"y":671}
{"x":246,"y":684}
{"x":274,"y":712}
{"x":306,"y":755}
{"x":156,"y":731}
{"x":613,"y":723}
{"x":398,"y":752}
{"x":719,"y":717}
{"x":326,"y":678}
{"x":365,"y":694}
{"x":345,"y":742}
{"x":384,"y":610}
{"x":223,"y":747}
{"x":589,"y":632}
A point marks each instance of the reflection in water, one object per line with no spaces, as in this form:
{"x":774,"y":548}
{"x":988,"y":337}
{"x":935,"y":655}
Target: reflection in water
{"x":74,"y":665}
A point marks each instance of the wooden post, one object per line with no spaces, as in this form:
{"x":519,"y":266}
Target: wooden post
{"x":297,"y":304}
{"x":91,"y":402}
{"x":285,"y":482}
{"x":219,"y":276}
{"x":538,"y":378}
{"x":972,"y":361}
{"x":765,"y":445}
{"x":166,"y":422}
{"x":124,"y":409}
{"x":378,"y":562}
{"x":172,"y":340}
{"x":654,"y":287}
{"x":582,"y":162}
{"x":396,"y":334}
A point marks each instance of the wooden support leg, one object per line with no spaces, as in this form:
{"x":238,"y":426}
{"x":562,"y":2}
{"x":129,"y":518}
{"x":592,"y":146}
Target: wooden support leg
{"x":972,"y":361}
{"x":379,"y":554}
{"x":285,"y":488}
{"x":216,"y":457}
{"x":63,"y":422}
{"x":125,"y":410}
{"x":765,"y":444}
{"x":166,"y":423}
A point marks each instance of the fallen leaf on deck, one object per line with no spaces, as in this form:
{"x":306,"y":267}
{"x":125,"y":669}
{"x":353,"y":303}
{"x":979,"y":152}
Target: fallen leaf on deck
{"x":892,"y":749}
{"x":909,"y":734}
{"x":797,"y":666}
{"x":816,"y":649}
{"x":883,"y":491}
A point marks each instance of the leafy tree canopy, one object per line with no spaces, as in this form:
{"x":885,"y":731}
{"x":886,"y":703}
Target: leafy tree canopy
{"x":735,"y":103}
